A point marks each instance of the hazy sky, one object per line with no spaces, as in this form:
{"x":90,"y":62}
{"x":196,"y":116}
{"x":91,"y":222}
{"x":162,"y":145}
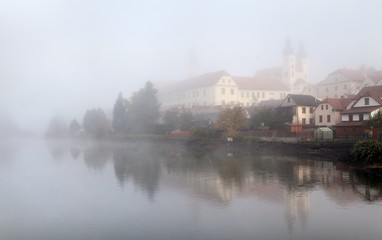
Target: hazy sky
{"x":66,"y":56}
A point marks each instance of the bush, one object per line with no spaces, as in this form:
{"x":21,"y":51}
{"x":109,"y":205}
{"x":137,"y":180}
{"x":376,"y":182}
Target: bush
{"x":204,"y":134}
{"x":367,"y":151}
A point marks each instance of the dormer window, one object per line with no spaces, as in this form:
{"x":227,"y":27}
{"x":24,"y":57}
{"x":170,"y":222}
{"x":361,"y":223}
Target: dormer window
{"x":367,"y":101}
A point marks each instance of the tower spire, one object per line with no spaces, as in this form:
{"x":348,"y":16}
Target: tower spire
{"x":288,"y":47}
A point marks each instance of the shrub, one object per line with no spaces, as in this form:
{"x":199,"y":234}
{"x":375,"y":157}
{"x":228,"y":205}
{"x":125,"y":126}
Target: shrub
{"x":367,"y":151}
{"x":204,"y":134}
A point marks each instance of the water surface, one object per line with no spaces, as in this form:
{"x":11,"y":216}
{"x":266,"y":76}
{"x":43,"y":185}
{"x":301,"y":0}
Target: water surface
{"x":141,"y":190}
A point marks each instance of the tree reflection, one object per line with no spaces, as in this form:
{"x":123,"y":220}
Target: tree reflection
{"x":96,"y":156}
{"x":139,"y":164}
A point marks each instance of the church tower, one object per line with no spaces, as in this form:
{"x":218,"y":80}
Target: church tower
{"x":289,"y":64}
{"x":295,"y":68}
{"x":302,"y":64}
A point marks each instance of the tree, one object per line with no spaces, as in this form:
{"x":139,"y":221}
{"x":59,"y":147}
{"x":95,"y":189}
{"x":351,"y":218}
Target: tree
{"x":269,"y":117}
{"x":375,"y":121}
{"x":231,"y":119}
{"x":96,"y":123}
{"x":144,"y":109}
{"x":119,"y":115}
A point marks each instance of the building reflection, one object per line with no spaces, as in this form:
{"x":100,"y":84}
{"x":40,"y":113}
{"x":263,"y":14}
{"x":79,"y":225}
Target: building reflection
{"x":224,"y":175}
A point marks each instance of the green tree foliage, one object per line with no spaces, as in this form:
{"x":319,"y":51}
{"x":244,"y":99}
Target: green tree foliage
{"x":231,"y":119}
{"x":56,"y":128}
{"x":179,"y":119}
{"x":74,"y":127}
{"x":95,"y":123}
{"x":119,"y":115}
{"x":367,"y":151}
{"x":144,"y":109}
{"x":267,"y":117}
{"x":375,"y":121}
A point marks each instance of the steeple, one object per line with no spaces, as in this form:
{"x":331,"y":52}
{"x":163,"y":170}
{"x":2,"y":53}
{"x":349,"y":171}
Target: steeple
{"x":288,"y":47}
{"x":301,"y":51}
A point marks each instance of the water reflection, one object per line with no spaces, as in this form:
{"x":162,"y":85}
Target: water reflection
{"x":140,"y":165}
{"x":223,"y":176}
{"x":227,"y":174}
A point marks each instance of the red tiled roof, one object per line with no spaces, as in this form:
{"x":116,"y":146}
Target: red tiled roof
{"x":375,"y":76}
{"x":275,"y":72}
{"x":260,"y":83}
{"x":361,"y":110}
{"x":204,"y":80}
{"x":353,"y":74}
{"x":338,"y":104}
{"x":374,"y":92}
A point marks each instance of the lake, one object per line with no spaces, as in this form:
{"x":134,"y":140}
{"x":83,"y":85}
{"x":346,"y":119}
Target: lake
{"x":143,"y":190}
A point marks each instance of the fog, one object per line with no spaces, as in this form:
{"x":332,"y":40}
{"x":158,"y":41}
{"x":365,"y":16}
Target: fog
{"x":62,"y":57}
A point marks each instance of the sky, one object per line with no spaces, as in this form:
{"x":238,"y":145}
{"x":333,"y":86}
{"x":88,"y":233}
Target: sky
{"x":62,"y":57}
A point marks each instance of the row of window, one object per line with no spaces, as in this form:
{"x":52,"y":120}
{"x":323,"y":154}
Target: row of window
{"x":328,"y":118}
{"x":305,"y":122}
{"x":345,"y":87}
{"x":310,"y":110}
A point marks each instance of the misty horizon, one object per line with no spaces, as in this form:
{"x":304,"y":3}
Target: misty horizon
{"x":64,"y":57}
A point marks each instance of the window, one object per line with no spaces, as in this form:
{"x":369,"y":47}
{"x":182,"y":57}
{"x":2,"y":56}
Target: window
{"x":311,"y":120}
{"x":367,"y":101}
{"x":303,"y":110}
{"x":311,"y":110}
{"x":320,"y":118}
{"x":350,"y":118}
{"x":253,"y":95}
{"x":258,"y":94}
{"x":328,"y":118}
{"x":247,"y":94}
{"x":303,"y":121}
{"x":326,"y":107}
{"x":223,"y":91}
{"x":361,"y":117}
{"x":263,"y":95}
{"x":232,"y":91}
{"x":322,"y":107}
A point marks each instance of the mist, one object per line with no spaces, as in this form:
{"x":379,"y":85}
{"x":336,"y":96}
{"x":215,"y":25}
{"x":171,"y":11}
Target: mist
{"x":64,"y":57}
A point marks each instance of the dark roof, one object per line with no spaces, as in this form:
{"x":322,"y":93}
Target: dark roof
{"x":304,"y":100}
{"x":260,"y":83}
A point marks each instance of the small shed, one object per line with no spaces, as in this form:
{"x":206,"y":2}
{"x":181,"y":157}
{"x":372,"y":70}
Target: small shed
{"x":323,"y":133}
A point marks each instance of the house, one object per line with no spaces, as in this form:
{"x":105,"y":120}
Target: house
{"x":219,"y":88}
{"x":300,"y":109}
{"x":345,"y":82}
{"x":365,"y":104}
{"x":328,"y":112}
{"x":341,"y":83}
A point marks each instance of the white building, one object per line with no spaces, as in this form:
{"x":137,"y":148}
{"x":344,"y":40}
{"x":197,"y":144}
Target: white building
{"x":220,"y":88}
